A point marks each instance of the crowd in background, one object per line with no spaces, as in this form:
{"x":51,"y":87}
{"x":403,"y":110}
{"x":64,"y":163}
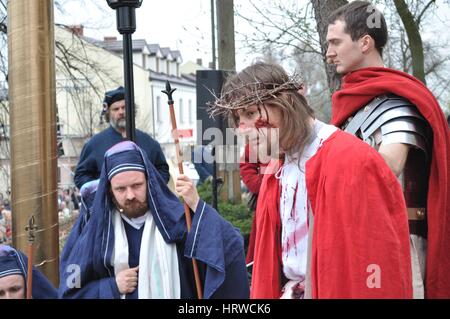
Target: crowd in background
{"x":68,"y":205}
{"x":5,"y":217}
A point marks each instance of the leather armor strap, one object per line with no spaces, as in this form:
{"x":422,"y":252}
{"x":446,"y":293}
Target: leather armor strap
{"x":416,"y":213}
{"x":416,"y":221}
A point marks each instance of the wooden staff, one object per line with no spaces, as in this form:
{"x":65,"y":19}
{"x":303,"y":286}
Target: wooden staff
{"x":30,"y":229}
{"x":187,"y":213}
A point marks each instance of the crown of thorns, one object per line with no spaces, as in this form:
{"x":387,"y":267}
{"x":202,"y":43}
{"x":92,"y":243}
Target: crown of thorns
{"x":255,"y":93}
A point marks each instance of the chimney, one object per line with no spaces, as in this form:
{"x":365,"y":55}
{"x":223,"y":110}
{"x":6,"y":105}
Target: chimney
{"x":107,"y":39}
{"x":77,"y":29}
{"x":200,"y":62}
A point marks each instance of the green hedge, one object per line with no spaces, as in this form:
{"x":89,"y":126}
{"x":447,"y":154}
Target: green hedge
{"x":237,"y":214}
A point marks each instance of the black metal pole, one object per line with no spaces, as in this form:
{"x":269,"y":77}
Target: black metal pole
{"x":126,"y":25}
{"x":213,"y":35}
{"x":129,"y":86}
{"x":214,"y":179}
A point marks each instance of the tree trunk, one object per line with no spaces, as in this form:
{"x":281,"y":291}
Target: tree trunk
{"x":414,"y":39}
{"x":322,"y":10}
{"x":225,"y":35}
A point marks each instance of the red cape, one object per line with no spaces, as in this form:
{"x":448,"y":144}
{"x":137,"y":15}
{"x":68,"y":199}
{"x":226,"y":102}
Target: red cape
{"x":358,"y":89}
{"x":359,"y":221}
{"x":252,"y":175}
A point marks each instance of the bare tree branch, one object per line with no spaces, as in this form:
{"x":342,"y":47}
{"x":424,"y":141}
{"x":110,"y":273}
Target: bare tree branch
{"x":425,"y":8}
{"x":280,"y":26}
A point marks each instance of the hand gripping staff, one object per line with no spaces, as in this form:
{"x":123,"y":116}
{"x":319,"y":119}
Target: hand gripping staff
{"x":187,"y":214}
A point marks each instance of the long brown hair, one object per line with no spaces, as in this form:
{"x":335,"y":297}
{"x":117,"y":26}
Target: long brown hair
{"x":258,"y":84}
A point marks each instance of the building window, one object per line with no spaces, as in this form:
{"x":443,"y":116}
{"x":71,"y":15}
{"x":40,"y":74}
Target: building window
{"x":181,"y":112}
{"x":158,"y":109}
{"x":191,"y":120}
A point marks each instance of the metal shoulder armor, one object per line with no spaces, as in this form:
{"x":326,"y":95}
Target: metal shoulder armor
{"x":391,"y":119}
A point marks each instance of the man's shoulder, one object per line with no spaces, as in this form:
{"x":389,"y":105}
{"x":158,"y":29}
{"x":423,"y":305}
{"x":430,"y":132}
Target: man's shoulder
{"x":144,"y":137}
{"x":100,"y":142}
{"x":143,"y":134}
{"x":100,"y":136}
{"x":345,"y":145}
{"x":347,"y":155}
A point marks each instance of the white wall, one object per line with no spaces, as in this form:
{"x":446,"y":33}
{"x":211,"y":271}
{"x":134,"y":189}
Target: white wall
{"x":138,"y":58}
{"x":113,"y":66}
{"x":163,"y":127}
{"x":75,"y":119}
{"x":151,"y":63}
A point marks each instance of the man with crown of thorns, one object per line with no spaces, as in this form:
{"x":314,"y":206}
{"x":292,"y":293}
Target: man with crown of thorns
{"x":330,"y":218}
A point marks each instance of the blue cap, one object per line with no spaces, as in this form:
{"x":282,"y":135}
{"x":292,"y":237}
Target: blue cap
{"x":114,"y":96}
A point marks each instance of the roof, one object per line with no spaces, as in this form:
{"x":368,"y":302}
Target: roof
{"x":173,"y":79}
{"x":165,"y":52}
{"x":138,"y":45}
{"x":117,"y":45}
{"x":176,"y":54}
{"x":153,"y":48}
{"x":190,"y":77}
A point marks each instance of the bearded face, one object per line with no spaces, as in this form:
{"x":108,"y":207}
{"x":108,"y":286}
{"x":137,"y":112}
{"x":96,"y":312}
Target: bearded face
{"x":117,"y":115}
{"x":132,"y":208}
{"x":129,"y":190}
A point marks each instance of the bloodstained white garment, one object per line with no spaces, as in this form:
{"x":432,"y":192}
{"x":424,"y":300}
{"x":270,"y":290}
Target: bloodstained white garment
{"x":294,"y":205}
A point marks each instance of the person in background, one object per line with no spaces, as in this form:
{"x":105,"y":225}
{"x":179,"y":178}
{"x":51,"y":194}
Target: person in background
{"x":203,"y":162}
{"x":91,"y":158}
{"x":13,"y":277}
{"x":398,"y":116}
{"x":74,"y":198}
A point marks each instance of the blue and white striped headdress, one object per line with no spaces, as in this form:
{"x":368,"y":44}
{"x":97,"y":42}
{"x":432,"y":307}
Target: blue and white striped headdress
{"x":96,"y":237}
{"x":123,"y":157}
{"x":14,"y":262}
{"x":9,"y":263}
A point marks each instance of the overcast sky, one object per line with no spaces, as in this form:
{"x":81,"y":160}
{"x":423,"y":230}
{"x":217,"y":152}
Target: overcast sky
{"x":183,"y":25}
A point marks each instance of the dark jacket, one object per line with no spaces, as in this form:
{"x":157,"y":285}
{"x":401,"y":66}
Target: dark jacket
{"x":91,"y":158}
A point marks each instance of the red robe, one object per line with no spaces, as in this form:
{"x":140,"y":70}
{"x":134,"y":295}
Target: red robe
{"x":358,"y":89}
{"x":250,"y":172}
{"x":252,"y":175}
{"x":360,"y":222}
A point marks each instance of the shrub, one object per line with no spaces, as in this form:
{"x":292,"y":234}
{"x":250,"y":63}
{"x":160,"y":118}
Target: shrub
{"x":237,"y":214}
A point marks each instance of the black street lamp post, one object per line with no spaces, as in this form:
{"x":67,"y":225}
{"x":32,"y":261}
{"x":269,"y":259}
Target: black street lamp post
{"x":126,"y":25}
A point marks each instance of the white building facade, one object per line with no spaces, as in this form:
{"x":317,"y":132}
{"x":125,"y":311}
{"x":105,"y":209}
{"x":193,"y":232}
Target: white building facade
{"x":97,"y":68}
{"x":164,"y":64}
